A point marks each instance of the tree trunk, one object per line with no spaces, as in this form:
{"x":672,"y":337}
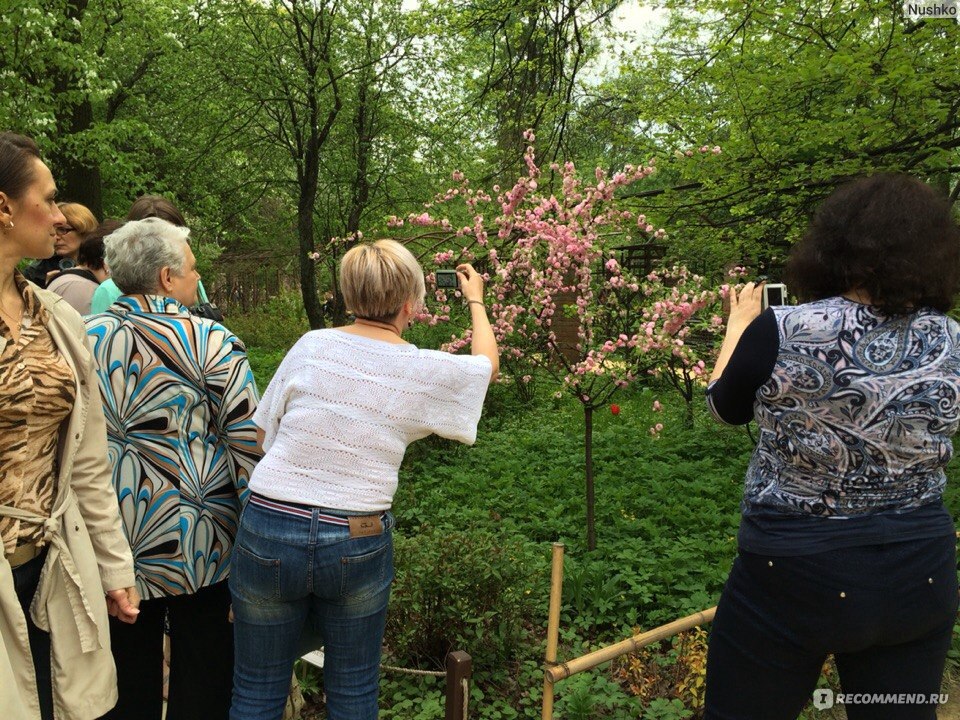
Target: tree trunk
{"x":80,"y":181}
{"x":308,"y":273}
{"x":588,"y":466}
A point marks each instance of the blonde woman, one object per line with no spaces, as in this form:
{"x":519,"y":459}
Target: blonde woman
{"x":315,"y":545}
{"x":78,"y":222}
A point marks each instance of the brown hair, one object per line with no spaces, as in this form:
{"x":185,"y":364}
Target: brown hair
{"x":17,"y":153}
{"x":91,"y":250}
{"x":157,"y":206}
{"x":79,"y":217}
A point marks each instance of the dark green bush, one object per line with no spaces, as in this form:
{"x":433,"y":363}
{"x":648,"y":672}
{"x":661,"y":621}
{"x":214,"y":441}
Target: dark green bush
{"x":473,"y":590}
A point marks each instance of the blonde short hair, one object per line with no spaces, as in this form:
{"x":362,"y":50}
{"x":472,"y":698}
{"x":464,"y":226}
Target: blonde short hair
{"x":79,"y":217}
{"x":376,"y":279}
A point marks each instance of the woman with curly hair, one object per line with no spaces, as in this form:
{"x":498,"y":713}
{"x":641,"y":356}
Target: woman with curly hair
{"x":845,"y":546}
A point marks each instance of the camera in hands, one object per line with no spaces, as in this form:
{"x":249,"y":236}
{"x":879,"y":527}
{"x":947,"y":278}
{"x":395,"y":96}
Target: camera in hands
{"x":774,"y":294}
{"x":447,"y":279}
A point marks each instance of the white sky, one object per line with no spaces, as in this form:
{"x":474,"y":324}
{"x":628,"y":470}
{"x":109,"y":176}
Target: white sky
{"x":641,"y":22}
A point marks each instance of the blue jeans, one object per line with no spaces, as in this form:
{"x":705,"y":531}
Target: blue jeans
{"x":292,"y":576}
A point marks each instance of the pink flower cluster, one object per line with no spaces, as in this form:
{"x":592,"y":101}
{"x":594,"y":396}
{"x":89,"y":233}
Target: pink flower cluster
{"x":560,"y":300}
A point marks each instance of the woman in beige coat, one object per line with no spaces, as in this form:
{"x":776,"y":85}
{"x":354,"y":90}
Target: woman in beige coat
{"x":66,"y":563}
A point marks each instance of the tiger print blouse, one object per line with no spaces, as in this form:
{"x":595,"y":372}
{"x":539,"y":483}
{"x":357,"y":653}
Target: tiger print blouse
{"x":38,"y":394}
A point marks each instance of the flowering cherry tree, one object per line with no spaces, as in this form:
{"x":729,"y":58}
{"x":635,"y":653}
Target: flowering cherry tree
{"x":562,"y":306}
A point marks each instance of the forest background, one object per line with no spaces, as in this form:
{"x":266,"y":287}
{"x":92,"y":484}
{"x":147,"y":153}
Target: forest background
{"x":287,"y":130}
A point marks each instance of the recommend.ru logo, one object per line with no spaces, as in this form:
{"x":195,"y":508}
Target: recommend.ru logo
{"x":823,"y":698}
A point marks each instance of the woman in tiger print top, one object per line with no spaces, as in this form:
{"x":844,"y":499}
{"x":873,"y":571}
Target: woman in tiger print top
{"x":59,"y":521}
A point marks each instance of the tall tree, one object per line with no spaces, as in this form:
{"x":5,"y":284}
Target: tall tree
{"x":521,"y":65}
{"x":799,"y":97}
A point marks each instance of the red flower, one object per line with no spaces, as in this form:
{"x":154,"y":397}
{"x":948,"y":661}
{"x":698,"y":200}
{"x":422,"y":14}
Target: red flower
{"x":615,"y":409}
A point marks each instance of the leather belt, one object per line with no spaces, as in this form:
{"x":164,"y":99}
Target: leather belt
{"x":23,"y":554}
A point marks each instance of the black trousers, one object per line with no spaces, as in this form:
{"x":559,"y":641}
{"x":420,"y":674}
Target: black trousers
{"x":885,"y":612}
{"x":25,"y":581}
{"x":201,"y":658}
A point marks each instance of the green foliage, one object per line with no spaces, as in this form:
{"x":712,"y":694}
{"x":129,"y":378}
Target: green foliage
{"x":275,"y":327}
{"x":460,"y":589}
{"x":663,"y":709}
{"x":592,"y":695}
{"x":799,"y":97}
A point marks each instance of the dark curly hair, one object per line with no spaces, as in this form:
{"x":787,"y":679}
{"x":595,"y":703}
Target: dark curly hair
{"x":890,"y":235}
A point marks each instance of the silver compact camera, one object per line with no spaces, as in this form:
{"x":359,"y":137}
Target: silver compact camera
{"x":774,"y":294}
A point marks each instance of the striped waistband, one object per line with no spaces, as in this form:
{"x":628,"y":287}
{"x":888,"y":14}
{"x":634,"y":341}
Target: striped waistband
{"x":305,"y":511}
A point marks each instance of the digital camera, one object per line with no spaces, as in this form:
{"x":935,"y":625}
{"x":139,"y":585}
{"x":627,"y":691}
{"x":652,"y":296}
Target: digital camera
{"x":447,"y":279}
{"x":774,"y":294}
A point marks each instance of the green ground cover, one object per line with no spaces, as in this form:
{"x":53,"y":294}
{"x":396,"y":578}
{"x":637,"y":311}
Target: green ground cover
{"x":474,"y":532}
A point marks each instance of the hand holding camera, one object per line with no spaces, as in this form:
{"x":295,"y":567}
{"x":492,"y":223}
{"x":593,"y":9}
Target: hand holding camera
{"x":468,"y":280}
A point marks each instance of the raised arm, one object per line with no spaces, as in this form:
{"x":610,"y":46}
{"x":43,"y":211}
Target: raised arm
{"x":483,"y":342}
{"x":743,"y":310}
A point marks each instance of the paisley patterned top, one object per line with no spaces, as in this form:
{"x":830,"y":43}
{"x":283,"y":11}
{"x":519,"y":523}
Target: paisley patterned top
{"x":178,"y":395}
{"x":39,"y":391}
{"x":857,"y":415}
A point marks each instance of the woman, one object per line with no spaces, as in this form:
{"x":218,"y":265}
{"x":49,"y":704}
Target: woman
{"x":314,"y":548}
{"x":78,"y":284}
{"x":144,"y":207}
{"x":78,"y":222}
{"x":179,"y":395}
{"x":845,"y":545}
{"x":62,"y":542}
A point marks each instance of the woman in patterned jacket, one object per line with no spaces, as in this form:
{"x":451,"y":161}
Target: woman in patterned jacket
{"x":845,"y":545}
{"x":178,"y":395}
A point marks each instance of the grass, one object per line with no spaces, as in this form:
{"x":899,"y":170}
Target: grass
{"x":475,"y":527}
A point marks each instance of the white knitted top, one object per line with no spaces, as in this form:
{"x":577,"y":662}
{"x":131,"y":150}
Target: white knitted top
{"x":341,"y":410}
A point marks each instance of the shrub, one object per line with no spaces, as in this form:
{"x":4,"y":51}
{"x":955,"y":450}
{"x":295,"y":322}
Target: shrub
{"x":459,"y":589}
{"x":276,"y":326}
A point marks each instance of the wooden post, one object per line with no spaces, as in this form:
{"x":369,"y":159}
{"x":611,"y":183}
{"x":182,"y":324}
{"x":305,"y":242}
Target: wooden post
{"x":553,"y":627}
{"x":459,"y":669}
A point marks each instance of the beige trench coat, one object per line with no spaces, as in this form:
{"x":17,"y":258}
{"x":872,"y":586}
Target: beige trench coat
{"x":88,"y":555}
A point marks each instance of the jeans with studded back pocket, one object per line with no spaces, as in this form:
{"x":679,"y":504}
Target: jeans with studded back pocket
{"x":292,"y":576}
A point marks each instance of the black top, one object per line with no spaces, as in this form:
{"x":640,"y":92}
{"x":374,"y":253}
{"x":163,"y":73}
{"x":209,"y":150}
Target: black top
{"x":731,"y":396}
{"x":36,"y":272}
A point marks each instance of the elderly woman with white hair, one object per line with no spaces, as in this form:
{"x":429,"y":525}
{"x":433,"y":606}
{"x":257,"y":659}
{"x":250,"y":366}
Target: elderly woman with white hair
{"x":179,"y":396}
{"x":314,"y":548}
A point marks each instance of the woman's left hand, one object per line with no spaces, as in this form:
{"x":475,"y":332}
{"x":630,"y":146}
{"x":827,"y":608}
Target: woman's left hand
{"x":744,"y":309}
{"x":124,"y":604}
{"x":746,"y":306}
